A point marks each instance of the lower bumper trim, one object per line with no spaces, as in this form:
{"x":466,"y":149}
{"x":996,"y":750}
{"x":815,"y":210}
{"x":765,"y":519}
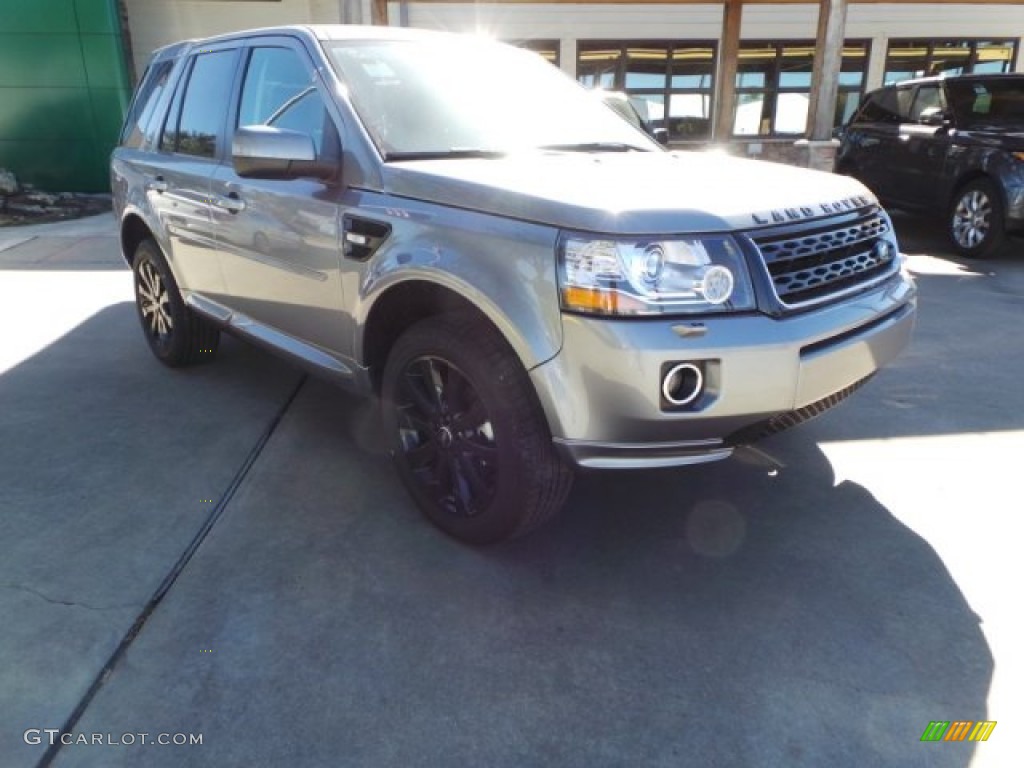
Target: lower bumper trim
{"x":784,"y":421}
{"x":594,"y":455}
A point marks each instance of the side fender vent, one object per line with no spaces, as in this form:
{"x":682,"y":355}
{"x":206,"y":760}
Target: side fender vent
{"x":362,"y":237}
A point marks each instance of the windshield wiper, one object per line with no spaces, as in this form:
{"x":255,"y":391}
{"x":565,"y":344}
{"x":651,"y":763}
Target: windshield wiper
{"x":444,"y":154}
{"x":595,"y":146}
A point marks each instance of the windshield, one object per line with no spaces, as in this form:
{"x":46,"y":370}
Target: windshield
{"x":449,"y":97}
{"x":982,"y":103}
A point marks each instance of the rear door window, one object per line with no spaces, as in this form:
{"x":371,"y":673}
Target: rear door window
{"x":196,"y":126}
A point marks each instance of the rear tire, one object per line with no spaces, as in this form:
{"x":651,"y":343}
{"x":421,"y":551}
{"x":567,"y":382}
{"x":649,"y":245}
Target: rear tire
{"x":467,"y":434}
{"x":976,"y":224}
{"x":175,"y":334}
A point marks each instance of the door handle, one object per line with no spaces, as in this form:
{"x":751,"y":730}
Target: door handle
{"x":158,"y":185}
{"x":231,"y":203}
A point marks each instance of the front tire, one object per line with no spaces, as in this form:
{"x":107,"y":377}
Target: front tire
{"x":175,"y":334}
{"x":467,"y":434}
{"x":976,"y":222}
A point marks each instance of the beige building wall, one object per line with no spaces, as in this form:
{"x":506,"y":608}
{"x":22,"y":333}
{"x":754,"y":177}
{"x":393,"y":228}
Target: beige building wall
{"x":569,"y":23}
{"x":155,"y":23}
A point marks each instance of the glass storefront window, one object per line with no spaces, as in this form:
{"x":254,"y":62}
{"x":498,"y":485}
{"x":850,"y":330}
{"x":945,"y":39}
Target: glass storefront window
{"x":908,"y":59}
{"x":670,"y":83}
{"x":549,"y":49}
{"x":773,"y":86}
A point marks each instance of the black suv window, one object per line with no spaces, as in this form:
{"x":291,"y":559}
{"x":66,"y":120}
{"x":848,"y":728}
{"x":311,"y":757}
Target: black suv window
{"x":194,"y":127}
{"x":889,"y":105}
{"x":279,"y":91}
{"x":928,"y":96}
{"x":987,"y":101}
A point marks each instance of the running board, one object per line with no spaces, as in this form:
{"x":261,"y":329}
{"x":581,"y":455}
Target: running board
{"x":270,"y":338}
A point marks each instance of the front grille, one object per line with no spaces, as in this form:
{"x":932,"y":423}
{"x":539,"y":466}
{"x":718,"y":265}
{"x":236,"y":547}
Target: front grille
{"x":783,"y":421}
{"x":823,"y":259}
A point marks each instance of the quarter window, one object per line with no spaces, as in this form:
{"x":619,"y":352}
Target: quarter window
{"x":153,"y":83}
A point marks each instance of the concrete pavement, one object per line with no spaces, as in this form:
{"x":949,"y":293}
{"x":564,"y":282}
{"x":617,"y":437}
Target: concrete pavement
{"x":734,"y":614}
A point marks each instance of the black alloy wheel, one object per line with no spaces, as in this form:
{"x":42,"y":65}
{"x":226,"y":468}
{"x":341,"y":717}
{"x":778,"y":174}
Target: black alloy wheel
{"x":467,"y":433}
{"x":447,"y":437}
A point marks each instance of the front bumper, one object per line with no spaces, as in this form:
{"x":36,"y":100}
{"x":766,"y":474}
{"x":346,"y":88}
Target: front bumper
{"x":602,"y":392}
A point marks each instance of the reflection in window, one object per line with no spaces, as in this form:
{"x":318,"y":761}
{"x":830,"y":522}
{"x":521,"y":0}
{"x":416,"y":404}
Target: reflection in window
{"x":279,"y":91}
{"x":141,"y":112}
{"x":908,"y":59}
{"x":548,"y":49}
{"x":669,"y":84}
{"x":199,"y":127}
{"x":773,"y":86}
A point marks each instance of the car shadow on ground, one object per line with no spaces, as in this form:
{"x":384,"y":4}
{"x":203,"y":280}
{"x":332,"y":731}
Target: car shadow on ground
{"x":927,"y":234}
{"x":713,"y":616}
{"x":718,"y":615}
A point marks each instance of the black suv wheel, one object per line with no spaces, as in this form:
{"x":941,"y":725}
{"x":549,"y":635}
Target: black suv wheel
{"x":976,"y":219}
{"x":176,"y":335}
{"x":467,"y":434}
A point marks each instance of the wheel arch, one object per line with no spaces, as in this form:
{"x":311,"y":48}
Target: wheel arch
{"x":133,"y":231}
{"x":398,"y":307}
{"x":972,"y":175}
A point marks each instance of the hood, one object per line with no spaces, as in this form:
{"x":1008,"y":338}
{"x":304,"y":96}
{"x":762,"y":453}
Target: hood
{"x":629,"y":192}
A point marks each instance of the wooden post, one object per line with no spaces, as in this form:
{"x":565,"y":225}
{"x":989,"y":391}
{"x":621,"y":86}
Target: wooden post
{"x":728,"y":58}
{"x":379,"y":16}
{"x":828,"y":61}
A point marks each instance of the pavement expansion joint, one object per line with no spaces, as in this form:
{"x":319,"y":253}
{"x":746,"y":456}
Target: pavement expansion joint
{"x":172,"y":576}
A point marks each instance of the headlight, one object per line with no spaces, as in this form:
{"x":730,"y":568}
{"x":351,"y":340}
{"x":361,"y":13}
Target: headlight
{"x":652,"y":277}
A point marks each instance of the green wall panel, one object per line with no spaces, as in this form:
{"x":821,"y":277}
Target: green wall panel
{"x":49,"y":165}
{"x":41,"y":60}
{"x":97,"y":18}
{"x":108,"y":108}
{"x":47,"y":114}
{"x":104,"y":62}
{"x":64,"y":88}
{"x":50,"y":16}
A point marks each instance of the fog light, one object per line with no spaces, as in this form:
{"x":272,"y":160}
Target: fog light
{"x":682,"y":384}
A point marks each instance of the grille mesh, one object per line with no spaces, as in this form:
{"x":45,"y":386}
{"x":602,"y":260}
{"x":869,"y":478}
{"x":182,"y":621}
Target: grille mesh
{"x":818,"y":262}
{"x":784,"y":421}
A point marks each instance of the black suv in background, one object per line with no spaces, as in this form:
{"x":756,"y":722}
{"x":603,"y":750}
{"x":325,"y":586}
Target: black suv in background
{"x":947,"y":145}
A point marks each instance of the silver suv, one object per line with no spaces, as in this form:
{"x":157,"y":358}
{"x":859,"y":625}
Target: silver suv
{"x":527,"y":283}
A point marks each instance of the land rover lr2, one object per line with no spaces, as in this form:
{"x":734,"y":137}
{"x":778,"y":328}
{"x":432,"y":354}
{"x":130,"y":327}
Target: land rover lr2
{"x":525,"y":282}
